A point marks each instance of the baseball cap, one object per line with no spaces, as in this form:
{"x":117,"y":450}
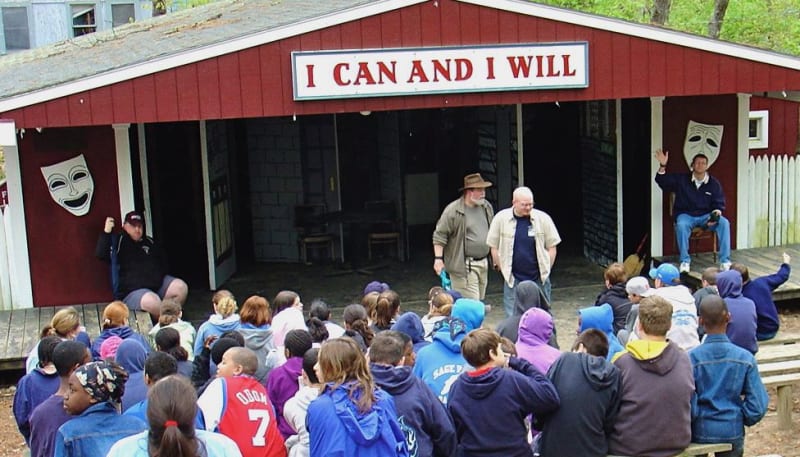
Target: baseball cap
{"x":134,"y":217}
{"x":638,"y":285}
{"x":667,"y":273}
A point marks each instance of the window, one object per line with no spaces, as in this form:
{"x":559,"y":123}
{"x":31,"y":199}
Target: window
{"x":122,"y":14}
{"x":758,"y":129}
{"x":15,"y":28}
{"x":83,"y":20}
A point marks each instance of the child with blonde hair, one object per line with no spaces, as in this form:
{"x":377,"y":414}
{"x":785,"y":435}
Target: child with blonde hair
{"x":223,"y":320}
{"x":66,"y":325}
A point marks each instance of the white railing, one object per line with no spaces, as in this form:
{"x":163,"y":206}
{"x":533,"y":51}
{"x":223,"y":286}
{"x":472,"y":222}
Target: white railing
{"x":773,"y":201}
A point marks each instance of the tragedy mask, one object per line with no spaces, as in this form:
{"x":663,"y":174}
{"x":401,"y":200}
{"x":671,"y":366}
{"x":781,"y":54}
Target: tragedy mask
{"x":702,"y":139}
{"x":70,"y":184}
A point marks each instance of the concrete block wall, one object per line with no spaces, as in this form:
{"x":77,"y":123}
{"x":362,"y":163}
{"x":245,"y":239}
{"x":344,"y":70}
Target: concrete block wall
{"x":389,"y":164}
{"x":599,"y":200}
{"x":276,"y":186}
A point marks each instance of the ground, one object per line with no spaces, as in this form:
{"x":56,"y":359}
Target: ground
{"x":576,"y":283}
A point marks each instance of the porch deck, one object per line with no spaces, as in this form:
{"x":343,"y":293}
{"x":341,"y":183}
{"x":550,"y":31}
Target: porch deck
{"x":19,"y":329}
{"x":759,"y":261}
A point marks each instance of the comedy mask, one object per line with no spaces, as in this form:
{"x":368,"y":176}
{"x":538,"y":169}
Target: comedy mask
{"x":702,"y":139}
{"x":70,"y":184}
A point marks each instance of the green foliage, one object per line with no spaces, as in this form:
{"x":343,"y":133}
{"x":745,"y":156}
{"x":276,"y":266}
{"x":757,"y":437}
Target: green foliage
{"x":770,"y":24}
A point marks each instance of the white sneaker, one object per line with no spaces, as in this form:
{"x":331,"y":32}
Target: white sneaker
{"x":725,"y":266}
{"x":685,"y":267}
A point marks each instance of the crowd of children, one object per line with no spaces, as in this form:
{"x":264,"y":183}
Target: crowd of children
{"x":271,"y":381}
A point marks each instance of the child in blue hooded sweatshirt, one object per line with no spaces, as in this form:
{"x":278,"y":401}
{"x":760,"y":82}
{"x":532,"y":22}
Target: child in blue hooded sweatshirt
{"x":351,"y":417}
{"x":601,"y":318}
{"x":411,"y":324}
{"x":743,"y":325}
{"x":509,"y":394}
{"x":440,"y":363}
{"x":223,"y":320}
{"x":115,"y":323}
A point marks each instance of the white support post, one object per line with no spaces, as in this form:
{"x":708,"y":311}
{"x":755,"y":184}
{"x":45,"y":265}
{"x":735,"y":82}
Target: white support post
{"x":520,"y":148}
{"x":620,"y":227}
{"x":656,"y":199}
{"x":148,"y":219}
{"x":742,"y":164}
{"x":19,"y":266}
{"x":124,"y":171}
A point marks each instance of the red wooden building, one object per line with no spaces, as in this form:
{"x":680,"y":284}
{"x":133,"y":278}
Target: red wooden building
{"x":218,"y":121}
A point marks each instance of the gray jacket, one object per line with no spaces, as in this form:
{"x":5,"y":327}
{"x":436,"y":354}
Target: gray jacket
{"x":451,"y":232}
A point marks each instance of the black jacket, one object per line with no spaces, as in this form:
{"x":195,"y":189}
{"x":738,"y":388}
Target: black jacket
{"x":142,"y":264}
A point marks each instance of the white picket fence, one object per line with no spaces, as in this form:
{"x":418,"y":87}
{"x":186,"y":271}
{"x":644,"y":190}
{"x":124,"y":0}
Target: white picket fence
{"x":773,"y":200}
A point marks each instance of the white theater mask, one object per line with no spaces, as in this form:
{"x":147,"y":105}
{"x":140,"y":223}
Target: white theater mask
{"x":70,"y":184}
{"x":702,"y":139}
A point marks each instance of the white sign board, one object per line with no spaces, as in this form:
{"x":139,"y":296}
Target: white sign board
{"x":414,"y":71}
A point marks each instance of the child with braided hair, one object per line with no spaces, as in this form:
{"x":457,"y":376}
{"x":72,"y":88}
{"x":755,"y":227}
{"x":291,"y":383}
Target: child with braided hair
{"x":93,"y":397}
{"x":171,"y":410}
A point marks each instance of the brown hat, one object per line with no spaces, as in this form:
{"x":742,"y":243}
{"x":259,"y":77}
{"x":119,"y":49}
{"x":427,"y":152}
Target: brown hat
{"x":115,"y":314}
{"x":475,"y":181}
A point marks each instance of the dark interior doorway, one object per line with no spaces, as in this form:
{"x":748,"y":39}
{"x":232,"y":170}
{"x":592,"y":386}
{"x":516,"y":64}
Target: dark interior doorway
{"x":176,"y":198}
{"x":636,"y":161}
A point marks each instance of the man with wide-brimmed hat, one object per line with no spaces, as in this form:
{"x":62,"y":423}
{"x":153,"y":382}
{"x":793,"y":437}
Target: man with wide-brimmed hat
{"x":459,"y":240}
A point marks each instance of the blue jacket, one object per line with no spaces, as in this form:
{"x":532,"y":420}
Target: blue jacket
{"x":760,"y":291}
{"x":94,"y":431}
{"x":690,"y":199}
{"x":338,"y":429}
{"x":34,"y":388}
{"x":440,"y":363}
{"x":122,"y":332}
{"x":131,"y":356}
{"x":489,"y":409}
{"x":411,"y":324}
{"x":601,"y":318}
{"x":728,"y":394}
{"x":216,"y":325}
{"x":742,"y":327}
{"x":428,"y":429}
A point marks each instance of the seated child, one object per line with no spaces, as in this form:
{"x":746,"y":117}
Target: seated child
{"x":68,"y":355}
{"x":320,"y":310}
{"x":283,"y":383}
{"x":589,"y":388}
{"x":236,"y":405}
{"x":535,"y":330}
{"x":168,"y":340}
{"x":410,"y":324}
{"x":94,"y":395}
{"x":600,"y":318}
{"x":296,"y":408}
{"x":115,"y":323}
{"x":66,"y":325}
{"x":212,"y":353}
{"x":509,"y":394}
{"x":356,"y":325}
{"x":223,"y":320}
{"x":615,"y":294}
{"x":157,"y":366}
{"x":131,"y":356}
{"x":36,"y":386}
{"x":729,"y":394}
{"x":439,"y":306}
{"x":170,"y":317}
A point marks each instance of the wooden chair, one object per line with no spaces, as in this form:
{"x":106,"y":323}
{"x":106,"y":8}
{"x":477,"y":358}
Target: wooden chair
{"x":312,"y":231}
{"x":698,"y":233}
{"x":384,"y":226}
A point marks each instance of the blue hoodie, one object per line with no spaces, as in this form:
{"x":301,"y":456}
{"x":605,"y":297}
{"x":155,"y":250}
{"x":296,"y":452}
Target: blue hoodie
{"x":760,"y":291}
{"x":411,"y":324}
{"x":131,"y":356}
{"x":743,"y":324}
{"x":122,"y":332}
{"x":601,"y":318}
{"x":338,"y":429}
{"x":216,"y":325}
{"x":428,"y":429}
{"x":440,"y":363}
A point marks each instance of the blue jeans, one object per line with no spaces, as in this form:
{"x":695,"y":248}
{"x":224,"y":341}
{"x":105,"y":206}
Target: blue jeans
{"x":683,"y":228}
{"x":508,"y":294}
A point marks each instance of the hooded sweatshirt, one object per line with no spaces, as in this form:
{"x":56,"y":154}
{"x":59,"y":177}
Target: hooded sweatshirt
{"x":744,"y":323}
{"x":259,"y":340}
{"x":684,"y":315}
{"x":410,"y":324}
{"x":440,"y":363}
{"x":535,"y":330}
{"x":338,"y":428}
{"x":654,"y":418}
{"x":617,"y":297}
{"x":282,"y":385}
{"x":428,"y":429}
{"x":527,"y":295}
{"x":131,"y":356}
{"x":186,"y":331}
{"x":760,"y":291}
{"x":489,"y":408}
{"x":601,"y":318}
{"x":295,"y":411}
{"x":589,"y":388}
{"x":216,"y":325}
{"x":122,"y":332}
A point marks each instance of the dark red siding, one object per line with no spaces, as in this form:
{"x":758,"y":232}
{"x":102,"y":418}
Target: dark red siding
{"x":257,"y":82}
{"x":783,"y":125}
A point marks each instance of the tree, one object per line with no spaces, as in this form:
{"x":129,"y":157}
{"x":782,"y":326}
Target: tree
{"x":717,"y":16}
{"x":661,"y":11}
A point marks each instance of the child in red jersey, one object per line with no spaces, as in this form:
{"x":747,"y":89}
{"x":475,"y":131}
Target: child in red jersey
{"x":236,"y":405}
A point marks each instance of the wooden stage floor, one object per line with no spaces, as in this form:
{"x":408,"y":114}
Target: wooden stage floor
{"x":759,"y":262}
{"x":20,"y":329}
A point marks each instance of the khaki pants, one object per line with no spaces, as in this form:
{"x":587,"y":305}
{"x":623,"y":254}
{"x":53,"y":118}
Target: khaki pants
{"x":473,"y":283}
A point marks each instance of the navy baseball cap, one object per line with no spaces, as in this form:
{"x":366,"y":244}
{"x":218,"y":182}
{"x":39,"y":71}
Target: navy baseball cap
{"x":134,"y":217}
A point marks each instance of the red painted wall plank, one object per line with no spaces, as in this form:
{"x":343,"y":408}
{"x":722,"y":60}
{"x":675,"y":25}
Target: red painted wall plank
{"x":601,"y":72}
{"x":167,"y":96}
{"x":675,"y":68}
{"x":727,"y":79}
{"x":621,"y":45}
{"x":657,"y":69}
{"x":692,"y":72}
{"x":489,"y":26}
{"x":250,"y":85}
{"x":144,"y":91}
{"x":783,"y":125}
{"x":284,"y":64}
{"x":124,"y":104}
{"x":744,"y":76}
{"x":430,"y":20}
{"x":271,"y":82}
{"x":382,"y":31}
{"x":80,"y":110}
{"x":411,"y":27}
{"x":760,"y":77}
{"x":58,"y":112}
{"x":230,"y":86}
{"x":208,"y":83}
{"x":711,"y":73}
{"x":450,"y":11}
{"x":188,"y":92}
{"x":102,"y":108}
{"x":640,"y":68}
{"x":509,"y":27}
